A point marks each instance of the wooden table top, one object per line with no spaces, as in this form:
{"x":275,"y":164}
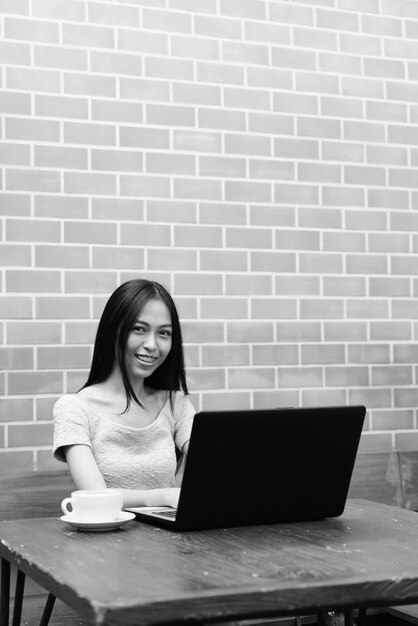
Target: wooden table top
{"x":141,"y":574}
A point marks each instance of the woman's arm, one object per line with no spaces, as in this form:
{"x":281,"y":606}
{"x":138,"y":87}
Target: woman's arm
{"x":86,"y":475}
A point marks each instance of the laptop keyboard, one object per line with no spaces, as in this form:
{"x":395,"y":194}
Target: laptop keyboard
{"x":171,"y":514}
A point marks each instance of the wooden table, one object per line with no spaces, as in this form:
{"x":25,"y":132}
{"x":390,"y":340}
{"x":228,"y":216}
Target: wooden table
{"x":142,"y":575}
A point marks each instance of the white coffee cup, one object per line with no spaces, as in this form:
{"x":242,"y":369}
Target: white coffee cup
{"x":94,"y":505}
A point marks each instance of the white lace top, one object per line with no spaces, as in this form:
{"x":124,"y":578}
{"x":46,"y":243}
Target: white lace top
{"x":129,"y":458}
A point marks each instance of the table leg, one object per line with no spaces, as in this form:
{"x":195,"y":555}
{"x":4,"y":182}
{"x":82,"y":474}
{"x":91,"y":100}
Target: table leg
{"x":332,"y":618}
{"x":20,"y":587}
{"x":47,"y":610}
{"x":5,"y":592}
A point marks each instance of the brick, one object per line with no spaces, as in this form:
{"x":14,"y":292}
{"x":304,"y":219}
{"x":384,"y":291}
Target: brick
{"x":248,"y":145}
{"x":219,"y":73}
{"x":386,"y":155}
{"x":337,"y":19}
{"x":269,"y":78}
{"x":243,"y":8}
{"x":296,"y":148}
{"x":271,"y":216}
{"x":344,"y":197}
{"x":320,"y":263}
{"x":145,"y":235}
{"x":362,"y":87}
{"x":208,"y":378}
{"x":171,"y":211}
{"x":223,"y":120}
{"x":219,"y":27}
{"x":275,"y":354}
{"x":69,"y":256}
{"x":63,"y":10}
{"x":93,"y":134}
{"x":237,"y":285}
{"x":297,"y":240}
{"x":15,"y":307}
{"x":15,"y":7}
{"x":296,"y":194}
{"x":374,"y":442}
{"x":341,"y":107}
{"x":60,"y":206}
{"x":33,"y":332}
{"x":104,"y":13}
{"x":405,"y":353}
{"x":392,"y":375}
{"x":320,"y":218}
{"x":254,"y":378}
{"x":222,"y":401}
{"x":80,"y":332}
{"x":16,"y":358}
{"x":144,"y":186}
{"x":117,"y":257}
{"x":321,"y":309}
{"x":381,"y":25}
{"x":317,"y":83}
{"x":148,"y":42}
{"x":323,"y":397}
{"x":31,"y":130}
{"x":61,"y":106}
{"x":181,"y":260}
{"x":339,"y":63}
{"x":171,"y":68}
{"x":29,"y":434}
{"x":224,"y":356}
{"x":89,"y":85}
{"x":246,"y":98}
{"x":15,"y":255}
{"x":198,"y":284}
{"x":364,"y":175}
{"x":61,"y":307}
{"x":63,"y":357}
{"x":297,"y":285}
{"x":14,"y":204}
{"x":117,"y":209}
{"x":90,"y":282}
{"x":246,"y":53}
{"x":31,"y":30}
{"x":248,"y":191}
{"x":116,"y":160}
{"x":392,"y":420}
{"x":33,"y":230}
{"x":389,"y":242}
{"x":224,"y":309}
{"x":402,"y":91}
{"x":115,"y":63}
{"x":223,"y":260}
{"x":272,"y":261}
{"x":190,"y":93}
{"x":350,"y":242}
{"x":273,"y":308}
{"x":292,"y":14}
{"x":292,"y":58}
{"x":24,"y":383}
{"x":315,"y":127}
{"x":168,"y":21}
{"x":130,"y":136}
{"x":405,"y":398}
{"x":14,"y":53}
{"x":326,"y":354}
{"x":390,"y":331}
{"x":16,"y":460}
{"x":14,"y":154}
{"x":343,"y":151}
{"x":198,"y":236}
{"x":15,"y":409}
{"x":87,"y":35}
{"x":32,"y":281}
{"x":143,"y":89}
{"x":60,"y":58}
{"x":101,"y":184}
{"x":157,"y":163}
{"x":389,"y":287}
{"x":345,"y":331}
{"x":271,"y":123}
{"x":196,"y":141}
{"x":295,"y":103}
{"x":384,"y":68}
{"x":319,"y":172}
{"x":271,"y":399}
{"x":299,"y":331}
{"x":32,"y":79}
{"x":251,"y":331}
{"x":370,"y":309}
{"x":194,"y":188}
{"x":300,"y":377}
{"x":15,"y":102}
{"x":387,"y":198}
{"x":344,"y":286}
{"x":203,"y":332}
{"x":195,"y":47}
{"x":170,"y":115}
{"x":59,"y":157}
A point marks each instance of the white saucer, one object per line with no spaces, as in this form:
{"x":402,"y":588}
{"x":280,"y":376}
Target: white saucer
{"x":123,"y":518}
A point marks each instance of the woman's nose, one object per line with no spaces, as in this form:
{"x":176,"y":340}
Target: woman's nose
{"x":149,"y":341}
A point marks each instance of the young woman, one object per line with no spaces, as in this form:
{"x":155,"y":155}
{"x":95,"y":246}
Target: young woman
{"x":131,"y":420}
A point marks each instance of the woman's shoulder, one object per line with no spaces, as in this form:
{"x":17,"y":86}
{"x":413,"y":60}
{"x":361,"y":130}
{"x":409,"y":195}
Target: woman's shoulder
{"x":69,"y":403}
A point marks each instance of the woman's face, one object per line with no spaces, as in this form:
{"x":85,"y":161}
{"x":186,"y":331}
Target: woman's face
{"x":149,"y":342}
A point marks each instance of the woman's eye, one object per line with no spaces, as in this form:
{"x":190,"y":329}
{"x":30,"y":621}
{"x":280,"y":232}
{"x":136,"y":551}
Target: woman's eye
{"x":139,"y":329}
{"x":165,"y":333}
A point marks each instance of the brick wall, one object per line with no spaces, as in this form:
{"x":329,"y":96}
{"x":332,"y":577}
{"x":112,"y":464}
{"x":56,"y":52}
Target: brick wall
{"x":259,"y":157}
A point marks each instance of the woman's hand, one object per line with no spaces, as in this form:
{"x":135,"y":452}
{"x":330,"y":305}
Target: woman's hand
{"x":171,"y":496}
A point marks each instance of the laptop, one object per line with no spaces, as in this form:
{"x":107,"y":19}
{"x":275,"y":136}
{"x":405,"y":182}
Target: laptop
{"x":264,"y":466}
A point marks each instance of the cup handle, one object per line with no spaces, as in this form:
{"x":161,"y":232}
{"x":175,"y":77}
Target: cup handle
{"x":64,"y":505}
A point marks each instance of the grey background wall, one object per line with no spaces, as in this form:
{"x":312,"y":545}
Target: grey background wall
{"x":258,"y":157}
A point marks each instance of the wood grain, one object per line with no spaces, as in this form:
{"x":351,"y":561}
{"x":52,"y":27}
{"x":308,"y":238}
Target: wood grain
{"x":144,"y":575}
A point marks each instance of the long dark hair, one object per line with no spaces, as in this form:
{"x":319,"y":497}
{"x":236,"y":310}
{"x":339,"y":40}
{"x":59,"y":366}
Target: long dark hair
{"x":117,"y":321}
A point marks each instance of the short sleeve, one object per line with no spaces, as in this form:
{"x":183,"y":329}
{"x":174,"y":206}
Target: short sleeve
{"x":184,"y":413}
{"x":71,"y":425}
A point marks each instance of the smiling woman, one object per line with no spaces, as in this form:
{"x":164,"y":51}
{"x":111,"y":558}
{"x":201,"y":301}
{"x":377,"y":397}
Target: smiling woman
{"x":126,"y":426}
